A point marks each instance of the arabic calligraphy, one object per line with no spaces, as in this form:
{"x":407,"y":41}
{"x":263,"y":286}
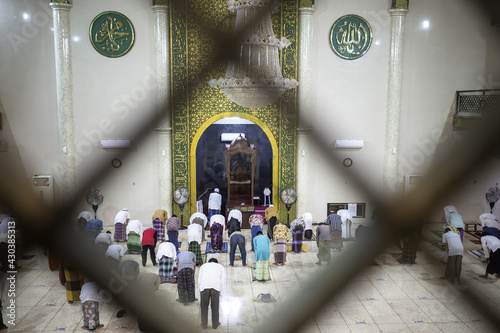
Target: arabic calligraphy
{"x":350,"y":37}
{"x":112,"y":34}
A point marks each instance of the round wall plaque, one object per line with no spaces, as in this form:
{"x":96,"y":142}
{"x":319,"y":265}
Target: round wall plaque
{"x":350,"y":37}
{"x":112,"y":34}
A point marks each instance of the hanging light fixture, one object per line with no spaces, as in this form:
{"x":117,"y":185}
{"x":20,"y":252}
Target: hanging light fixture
{"x":254,"y":80}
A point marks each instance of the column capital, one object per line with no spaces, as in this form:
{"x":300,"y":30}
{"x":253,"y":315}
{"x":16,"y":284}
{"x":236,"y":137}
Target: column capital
{"x":160,"y":3}
{"x":398,"y":12}
{"x":163,"y":130}
{"x":60,"y":5}
{"x":306,"y":10}
{"x":159,"y":8}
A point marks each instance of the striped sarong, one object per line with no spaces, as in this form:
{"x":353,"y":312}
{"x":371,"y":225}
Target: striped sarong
{"x":159,"y":226}
{"x":216,"y":231}
{"x":90,"y":311}
{"x":120,"y":232}
{"x":74,"y":283}
{"x":185,"y":285}
{"x":297,"y":241}
{"x":102,"y":248}
{"x":280,"y":251}
{"x":324,"y":253}
{"x":166,"y":269}
{"x":133,"y":242}
{"x":261,"y":270}
{"x":194,"y":247}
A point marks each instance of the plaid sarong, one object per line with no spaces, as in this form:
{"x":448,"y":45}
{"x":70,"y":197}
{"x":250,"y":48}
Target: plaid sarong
{"x":90,"y":311}
{"x":120,"y":232}
{"x":134,"y":242}
{"x":166,"y":269}
{"x":216,"y":231}
{"x":280,"y":251}
{"x":261,"y":270}
{"x":102,"y":248}
{"x":159,"y":226}
{"x":194,"y":247}
{"x":185,"y":285}
{"x":297,"y":241}
{"x":74,"y":283}
{"x":324,"y":253}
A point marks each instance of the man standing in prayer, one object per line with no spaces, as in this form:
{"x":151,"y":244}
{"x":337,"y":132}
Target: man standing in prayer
{"x":186,"y":263}
{"x":491,"y":246}
{"x":214,"y":203}
{"x":211,"y":280}
{"x":455,"y":219}
{"x":90,"y":298}
{"x":194,"y":232}
{"x":201,"y":219}
{"x":281,"y":238}
{"x":121,"y":220}
{"x":454,"y":251}
{"x":335,"y":222}
{"x":159,"y":218}
{"x":217,"y":224}
{"x":103,"y":241}
{"x":173,"y":226}
{"x":166,"y":257}
{"x":323,"y":240}
{"x":148,"y":244}
{"x":272,"y":219}
{"x":134,"y":236}
{"x":237,"y":239}
{"x":297,"y":226}
{"x":346,"y":218}
{"x":261,"y":245}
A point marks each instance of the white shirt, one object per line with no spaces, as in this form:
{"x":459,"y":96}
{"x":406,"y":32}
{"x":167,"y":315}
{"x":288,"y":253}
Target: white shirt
{"x":489,"y":220}
{"x":212,"y":276}
{"x":194,"y":233}
{"x":104,"y":238}
{"x":90,"y":292}
{"x":86,"y":215}
{"x":490,"y":243}
{"x":236,"y":214}
{"x":308,"y":220}
{"x":214,"y":201}
{"x":455,"y":247}
{"x":200,"y":215}
{"x":115,"y":251}
{"x":136,"y":226}
{"x":166,"y":249}
{"x":219,"y":219}
{"x":122,"y":216}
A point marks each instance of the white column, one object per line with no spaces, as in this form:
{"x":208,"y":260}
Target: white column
{"x":164,"y":129}
{"x":306,"y":115}
{"x":393,"y":113}
{"x":64,"y":86}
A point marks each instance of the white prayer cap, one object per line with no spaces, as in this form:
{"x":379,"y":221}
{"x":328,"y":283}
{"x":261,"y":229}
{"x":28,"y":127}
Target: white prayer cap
{"x":271,"y":205}
{"x":216,"y":190}
{"x":125,"y":209}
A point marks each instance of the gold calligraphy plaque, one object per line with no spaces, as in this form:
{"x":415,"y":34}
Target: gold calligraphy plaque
{"x":112,"y":34}
{"x":350,"y":37}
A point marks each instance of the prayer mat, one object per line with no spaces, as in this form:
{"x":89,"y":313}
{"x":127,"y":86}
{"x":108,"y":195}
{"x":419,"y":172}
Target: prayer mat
{"x":475,"y":234}
{"x":478,"y":254}
{"x":210,"y":250}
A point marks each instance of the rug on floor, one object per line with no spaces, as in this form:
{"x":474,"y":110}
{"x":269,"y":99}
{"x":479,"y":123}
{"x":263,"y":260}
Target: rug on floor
{"x":478,"y":254}
{"x":210,"y":250}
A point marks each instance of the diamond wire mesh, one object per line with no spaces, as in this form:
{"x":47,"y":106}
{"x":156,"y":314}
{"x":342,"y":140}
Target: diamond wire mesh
{"x":45,"y":227}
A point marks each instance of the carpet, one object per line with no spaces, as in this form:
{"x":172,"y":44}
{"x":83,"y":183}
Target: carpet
{"x":476,"y":234}
{"x":210,"y":250}
{"x":478,"y":254}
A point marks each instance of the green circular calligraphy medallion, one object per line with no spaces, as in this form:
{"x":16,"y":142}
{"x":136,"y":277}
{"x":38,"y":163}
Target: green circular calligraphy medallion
{"x":112,"y":34}
{"x":350,"y":37}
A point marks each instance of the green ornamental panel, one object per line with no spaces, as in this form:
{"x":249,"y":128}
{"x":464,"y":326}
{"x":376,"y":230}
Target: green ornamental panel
{"x":112,"y":34}
{"x":197,"y":28}
{"x":350,"y":37}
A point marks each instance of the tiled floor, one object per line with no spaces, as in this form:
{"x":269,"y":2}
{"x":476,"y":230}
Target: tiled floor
{"x":386,"y":298}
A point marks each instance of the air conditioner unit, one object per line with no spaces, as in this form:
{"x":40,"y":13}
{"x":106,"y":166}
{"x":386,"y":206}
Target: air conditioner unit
{"x":349,"y":143}
{"x":115,"y":143}
{"x":43,"y":188}
{"x":412,"y":181}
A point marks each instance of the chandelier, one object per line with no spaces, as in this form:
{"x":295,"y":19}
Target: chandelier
{"x":254,"y":80}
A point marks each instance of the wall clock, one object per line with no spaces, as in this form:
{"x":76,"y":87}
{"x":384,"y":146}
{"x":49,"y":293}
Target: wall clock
{"x":347,"y":162}
{"x":116,"y":163}
{"x":350,"y":37}
{"x":112,"y":34}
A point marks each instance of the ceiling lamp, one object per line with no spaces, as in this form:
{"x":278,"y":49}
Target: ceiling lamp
{"x":254,"y":80}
